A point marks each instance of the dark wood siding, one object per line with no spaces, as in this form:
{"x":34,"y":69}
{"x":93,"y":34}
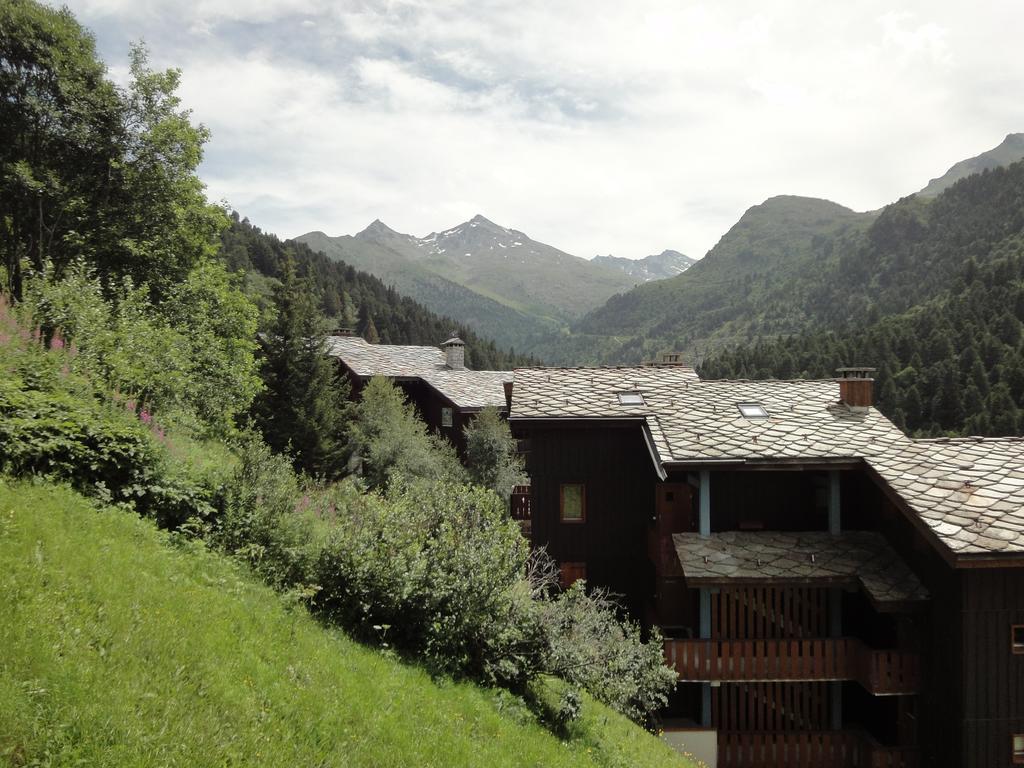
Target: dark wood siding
{"x":939,"y":630}
{"x":993,"y":601}
{"x":771,"y":501}
{"x":615,"y":466}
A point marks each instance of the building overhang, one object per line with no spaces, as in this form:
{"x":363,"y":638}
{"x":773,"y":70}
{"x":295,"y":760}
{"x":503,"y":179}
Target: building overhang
{"x":851,"y":560}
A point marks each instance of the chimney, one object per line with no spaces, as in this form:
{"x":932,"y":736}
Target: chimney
{"x":855,"y":388}
{"x":455,"y":353}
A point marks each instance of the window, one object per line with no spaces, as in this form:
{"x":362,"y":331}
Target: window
{"x":631,"y":398}
{"x":1018,"y":749}
{"x":446,"y":417}
{"x":573,"y":503}
{"x":1017,"y":638}
{"x":752,"y":410}
{"x":571,"y":572}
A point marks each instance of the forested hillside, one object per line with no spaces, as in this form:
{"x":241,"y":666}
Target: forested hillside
{"x":796,"y":265}
{"x":953,"y":361}
{"x":755,"y":280}
{"x":354,"y":298}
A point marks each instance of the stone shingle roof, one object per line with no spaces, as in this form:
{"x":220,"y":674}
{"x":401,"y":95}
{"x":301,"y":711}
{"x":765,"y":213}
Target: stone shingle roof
{"x":861,"y":558}
{"x":466,"y":388}
{"x":969,"y":491}
{"x":392,"y":360}
{"x":471,"y":389}
{"x":693,"y":420}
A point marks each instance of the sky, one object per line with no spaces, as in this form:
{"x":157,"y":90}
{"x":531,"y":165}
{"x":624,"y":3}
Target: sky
{"x":597,"y":126}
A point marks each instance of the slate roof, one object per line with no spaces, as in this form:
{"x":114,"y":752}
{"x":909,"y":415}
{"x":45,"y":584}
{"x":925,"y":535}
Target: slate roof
{"x":467,"y":389}
{"x":392,"y":360}
{"x":470,"y":390}
{"x":699,"y":421}
{"x":969,"y":491}
{"x":861,"y":558}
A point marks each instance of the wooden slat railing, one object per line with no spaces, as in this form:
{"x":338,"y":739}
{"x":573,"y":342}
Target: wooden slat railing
{"x":810,"y":749}
{"x":521,"y":503}
{"x":843,"y":658}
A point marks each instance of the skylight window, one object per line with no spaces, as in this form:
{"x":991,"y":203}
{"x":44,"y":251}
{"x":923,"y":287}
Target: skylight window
{"x":752,"y":410}
{"x":631,"y":398}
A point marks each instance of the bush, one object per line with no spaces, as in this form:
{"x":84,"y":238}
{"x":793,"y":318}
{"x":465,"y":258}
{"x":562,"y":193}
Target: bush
{"x":439,"y":570}
{"x":262,"y":519}
{"x":590,"y":646}
{"x":55,"y":424}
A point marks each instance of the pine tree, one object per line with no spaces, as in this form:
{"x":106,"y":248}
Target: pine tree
{"x":304,"y":410}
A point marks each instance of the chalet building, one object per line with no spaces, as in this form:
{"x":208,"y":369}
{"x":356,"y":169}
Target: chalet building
{"x":832,"y":593}
{"x":446,"y":394}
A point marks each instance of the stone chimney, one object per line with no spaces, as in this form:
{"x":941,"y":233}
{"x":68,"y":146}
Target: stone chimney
{"x":455,"y":353}
{"x":855,"y":388}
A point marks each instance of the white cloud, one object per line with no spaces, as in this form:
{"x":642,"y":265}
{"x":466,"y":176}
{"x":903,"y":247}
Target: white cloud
{"x":594,"y":125}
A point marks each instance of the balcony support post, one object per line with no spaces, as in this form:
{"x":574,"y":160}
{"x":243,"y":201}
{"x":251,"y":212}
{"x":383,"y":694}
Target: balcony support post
{"x":834,"y":523}
{"x":705,"y":502}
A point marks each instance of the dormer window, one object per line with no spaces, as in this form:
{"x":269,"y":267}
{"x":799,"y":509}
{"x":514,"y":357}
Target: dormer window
{"x":752,"y":410}
{"x":631,"y":398}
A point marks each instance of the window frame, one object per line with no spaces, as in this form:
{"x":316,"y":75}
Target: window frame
{"x":583,"y":504}
{"x":450,"y":414}
{"x":1017,"y":755}
{"x":1017,"y":643}
{"x":762,"y":415}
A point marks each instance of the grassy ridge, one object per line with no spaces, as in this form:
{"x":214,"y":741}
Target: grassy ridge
{"x":119,"y":649}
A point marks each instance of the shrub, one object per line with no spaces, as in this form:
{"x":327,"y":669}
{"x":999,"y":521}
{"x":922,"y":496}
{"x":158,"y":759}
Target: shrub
{"x":262,"y":518}
{"x":590,"y":646}
{"x":441,"y":569}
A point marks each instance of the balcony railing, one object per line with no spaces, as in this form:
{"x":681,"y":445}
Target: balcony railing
{"x":843,"y":658}
{"x":521,"y":508}
{"x":813,"y":749}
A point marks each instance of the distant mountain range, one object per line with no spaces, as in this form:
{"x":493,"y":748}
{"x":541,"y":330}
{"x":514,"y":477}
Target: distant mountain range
{"x":655,"y":267}
{"x":787,"y":267}
{"x":1010,"y":151}
{"x":508,"y":286}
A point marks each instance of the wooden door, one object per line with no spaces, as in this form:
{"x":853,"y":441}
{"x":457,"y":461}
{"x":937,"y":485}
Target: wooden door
{"x":675,"y":511}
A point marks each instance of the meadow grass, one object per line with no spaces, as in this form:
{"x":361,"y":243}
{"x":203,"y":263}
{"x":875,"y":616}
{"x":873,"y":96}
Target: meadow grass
{"x":120,"y":646}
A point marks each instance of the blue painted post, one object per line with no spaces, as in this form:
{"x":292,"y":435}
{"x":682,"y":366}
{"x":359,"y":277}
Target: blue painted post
{"x":834,"y":520}
{"x":705,"y":502}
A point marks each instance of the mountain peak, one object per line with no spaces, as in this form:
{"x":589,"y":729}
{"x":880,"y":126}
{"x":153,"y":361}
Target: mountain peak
{"x":376,"y":229}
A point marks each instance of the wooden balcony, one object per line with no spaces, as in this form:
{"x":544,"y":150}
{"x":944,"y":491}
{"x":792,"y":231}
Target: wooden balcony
{"x":521,"y":508}
{"x":844,"y":658}
{"x":810,"y":749}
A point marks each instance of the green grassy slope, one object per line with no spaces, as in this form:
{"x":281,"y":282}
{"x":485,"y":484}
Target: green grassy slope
{"x":120,"y":649}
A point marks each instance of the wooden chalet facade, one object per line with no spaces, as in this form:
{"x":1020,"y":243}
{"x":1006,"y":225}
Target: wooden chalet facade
{"x":446,"y":394}
{"x":831,"y":592}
